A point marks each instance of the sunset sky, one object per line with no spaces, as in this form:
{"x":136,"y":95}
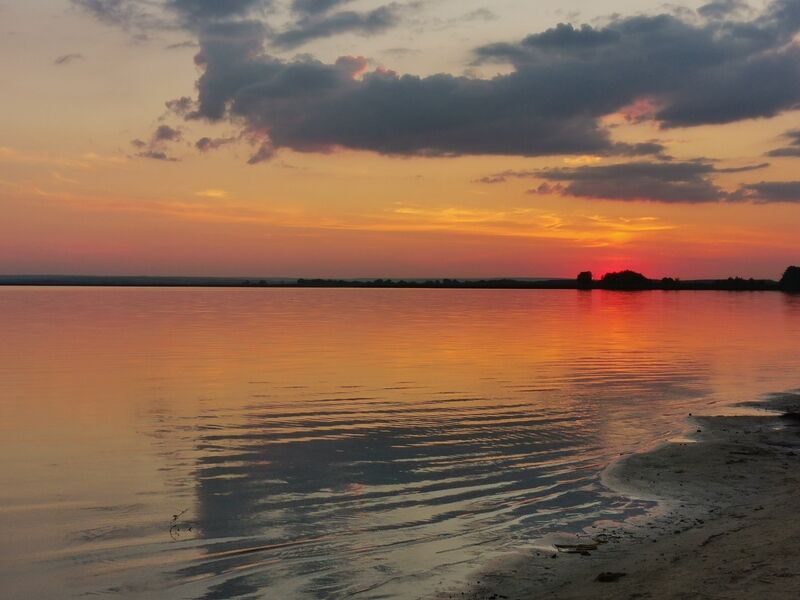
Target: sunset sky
{"x":371,"y":138}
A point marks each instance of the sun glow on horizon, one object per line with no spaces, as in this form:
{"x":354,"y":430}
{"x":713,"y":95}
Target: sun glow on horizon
{"x":401,"y":171}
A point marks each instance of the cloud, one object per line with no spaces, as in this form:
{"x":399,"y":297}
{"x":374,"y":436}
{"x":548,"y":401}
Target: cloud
{"x":671,"y":182}
{"x":203,"y":11}
{"x":479,"y":14}
{"x":695,"y":73}
{"x":563,"y":82}
{"x":547,"y":188}
{"x":180,"y":106}
{"x":315,"y":26}
{"x":769,"y":192}
{"x":315,"y":7}
{"x":156,"y":155}
{"x":182,"y":45}
{"x":793,"y":149}
{"x":313,"y":19}
{"x":662,"y":182}
{"x":129,"y":15}
{"x":165,"y":133}
{"x":66,"y":59}
{"x":720,"y":9}
{"x":400,"y":51}
{"x":264,"y":153}
{"x":743,"y":169}
{"x":496,"y":178}
{"x":146,"y":16}
{"x":309,"y":105}
{"x":153,"y":149}
{"x":206,"y":144}
{"x":641,"y":149}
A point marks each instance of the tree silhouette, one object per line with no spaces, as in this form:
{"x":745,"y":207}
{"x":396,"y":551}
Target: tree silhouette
{"x":790,"y":282}
{"x":625,"y":280}
{"x":585,"y":280}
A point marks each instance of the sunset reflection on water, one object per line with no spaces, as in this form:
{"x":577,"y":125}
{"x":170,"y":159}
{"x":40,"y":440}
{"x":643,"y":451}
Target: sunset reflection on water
{"x":326,"y":442}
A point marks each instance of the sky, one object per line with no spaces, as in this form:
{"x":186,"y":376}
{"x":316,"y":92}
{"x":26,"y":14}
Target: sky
{"x":406,"y":138}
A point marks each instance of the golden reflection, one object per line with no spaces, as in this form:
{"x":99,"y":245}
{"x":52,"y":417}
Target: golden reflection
{"x":343,"y":423}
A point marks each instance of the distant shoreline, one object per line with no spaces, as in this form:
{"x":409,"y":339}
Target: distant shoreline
{"x":667,"y":284}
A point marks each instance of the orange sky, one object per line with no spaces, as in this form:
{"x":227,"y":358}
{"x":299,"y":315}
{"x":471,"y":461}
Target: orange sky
{"x":78,"y":198}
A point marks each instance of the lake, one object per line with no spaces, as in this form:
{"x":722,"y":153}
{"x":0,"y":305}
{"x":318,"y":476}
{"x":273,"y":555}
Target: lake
{"x":336,"y":443}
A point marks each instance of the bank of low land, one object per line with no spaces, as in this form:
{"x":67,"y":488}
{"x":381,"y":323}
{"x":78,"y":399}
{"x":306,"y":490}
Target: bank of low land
{"x":622,"y":280}
{"x":727,"y":526}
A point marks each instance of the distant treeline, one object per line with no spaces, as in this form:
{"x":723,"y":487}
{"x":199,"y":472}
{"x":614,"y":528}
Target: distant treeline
{"x":631,"y":280}
{"x":622,"y":280}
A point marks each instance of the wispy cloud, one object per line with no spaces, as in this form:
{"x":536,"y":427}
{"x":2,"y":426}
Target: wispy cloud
{"x":206,"y":144}
{"x":792,"y":149}
{"x":86,"y":161}
{"x":316,"y":26}
{"x":769,"y":192}
{"x":66,"y":59}
{"x":590,"y":230}
{"x":156,"y":155}
{"x":154,"y":148}
{"x":687,"y":182}
{"x":212,"y":193}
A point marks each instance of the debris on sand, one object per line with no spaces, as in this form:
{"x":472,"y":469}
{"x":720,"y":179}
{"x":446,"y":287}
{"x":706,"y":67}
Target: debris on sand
{"x":610,"y":577}
{"x":576,"y":548}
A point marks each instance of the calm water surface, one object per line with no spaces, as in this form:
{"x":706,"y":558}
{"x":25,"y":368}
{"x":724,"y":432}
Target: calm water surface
{"x":340,"y":443}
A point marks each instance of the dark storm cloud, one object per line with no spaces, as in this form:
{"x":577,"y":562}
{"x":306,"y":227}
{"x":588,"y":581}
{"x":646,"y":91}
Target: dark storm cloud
{"x":675,"y":182}
{"x":564,"y":80}
{"x":793,"y":149}
{"x":769,"y":192}
{"x":694,"y":74}
{"x":310,"y":105}
{"x":316,"y":26}
{"x":66,"y":59}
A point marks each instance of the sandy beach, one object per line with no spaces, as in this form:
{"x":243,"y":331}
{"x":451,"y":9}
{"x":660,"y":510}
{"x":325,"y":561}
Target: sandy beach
{"x":726,"y":524}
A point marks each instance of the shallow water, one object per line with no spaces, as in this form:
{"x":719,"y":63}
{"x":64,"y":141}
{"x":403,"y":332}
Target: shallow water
{"x":340,"y":443}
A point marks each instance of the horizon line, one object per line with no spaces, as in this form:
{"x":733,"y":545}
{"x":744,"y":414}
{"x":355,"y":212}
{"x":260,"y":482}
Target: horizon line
{"x":360,"y":279}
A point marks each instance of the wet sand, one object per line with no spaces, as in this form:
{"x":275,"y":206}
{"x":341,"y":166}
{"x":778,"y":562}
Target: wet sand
{"x":727,"y":523}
